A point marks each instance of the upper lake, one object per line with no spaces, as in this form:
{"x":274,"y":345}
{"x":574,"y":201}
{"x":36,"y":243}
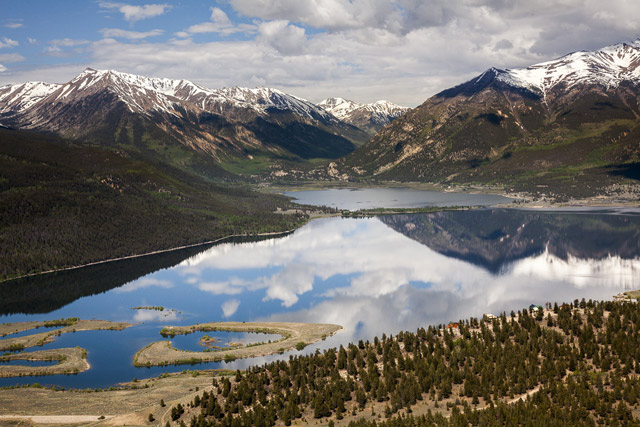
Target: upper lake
{"x":371,"y":198}
{"x":370,"y":275}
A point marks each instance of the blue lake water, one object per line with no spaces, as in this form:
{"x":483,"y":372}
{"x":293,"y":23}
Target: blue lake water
{"x":369,"y":198}
{"x":371,"y":275}
{"x":31,"y":331}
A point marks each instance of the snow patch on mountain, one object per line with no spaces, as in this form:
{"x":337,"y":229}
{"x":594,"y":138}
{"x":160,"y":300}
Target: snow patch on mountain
{"x":609,"y":67}
{"x":146,"y":95}
{"x":22,"y":96}
{"x":380,"y":112}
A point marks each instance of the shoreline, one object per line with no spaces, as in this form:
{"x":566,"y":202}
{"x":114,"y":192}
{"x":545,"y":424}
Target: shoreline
{"x":521,"y":201}
{"x":160,"y":251}
{"x":162,"y":353}
{"x":526,"y":199}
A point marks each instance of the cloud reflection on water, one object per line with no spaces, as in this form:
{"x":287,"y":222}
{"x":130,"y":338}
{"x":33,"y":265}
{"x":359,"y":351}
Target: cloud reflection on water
{"x":386,"y":282}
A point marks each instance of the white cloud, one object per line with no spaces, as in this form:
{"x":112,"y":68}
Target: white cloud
{"x":143,"y":315}
{"x":7,"y":42}
{"x":2,"y":68}
{"x":230,"y":287}
{"x":286,"y":38}
{"x":32,"y":41}
{"x":401,"y":50}
{"x":230,"y":307}
{"x":136,"y":13}
{"x":65,"y":47}
{"x":218,"y":16}
{"x":145,"y":282}
{"x":11,"y":57}
{"x":13,"y":25}
{"x":219,"y":23}
{"x":131,"y":35}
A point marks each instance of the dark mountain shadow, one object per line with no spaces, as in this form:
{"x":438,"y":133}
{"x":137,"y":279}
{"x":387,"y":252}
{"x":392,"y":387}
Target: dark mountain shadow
{"x":493,"y":238}
{"x":626,"y":170}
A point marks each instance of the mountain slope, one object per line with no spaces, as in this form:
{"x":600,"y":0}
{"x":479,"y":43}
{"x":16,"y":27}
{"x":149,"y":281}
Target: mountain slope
{"x":66,"y":204}
{"x":159,"y":118}
{"x":560,"y":122}
{"x":369,"y":117}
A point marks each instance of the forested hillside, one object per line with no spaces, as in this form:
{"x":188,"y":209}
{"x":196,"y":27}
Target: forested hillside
{"x":574,"y":364}
{"x":63,"y":204}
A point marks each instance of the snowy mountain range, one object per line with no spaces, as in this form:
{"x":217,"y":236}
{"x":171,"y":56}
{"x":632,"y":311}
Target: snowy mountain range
{"x":608,"y":67}
{"x":147,"y":95}
{"x":230,"y":124}
{"x":519,"y":125}
{"x":109,"y":107}
{"x":371,"y":117}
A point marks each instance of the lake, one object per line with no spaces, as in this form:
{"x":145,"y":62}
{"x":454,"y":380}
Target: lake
{"x":371,"y":275}
{"x":370,"y":198}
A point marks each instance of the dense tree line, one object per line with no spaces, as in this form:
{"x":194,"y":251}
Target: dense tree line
{"x":580,"y":362}
{"x":63,"y":204}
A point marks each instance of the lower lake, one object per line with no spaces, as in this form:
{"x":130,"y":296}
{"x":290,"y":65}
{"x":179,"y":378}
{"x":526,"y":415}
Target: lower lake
{"x":371,"y":275}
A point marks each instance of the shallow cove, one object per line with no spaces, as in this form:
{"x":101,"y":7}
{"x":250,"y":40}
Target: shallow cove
{"x":370,"y":275}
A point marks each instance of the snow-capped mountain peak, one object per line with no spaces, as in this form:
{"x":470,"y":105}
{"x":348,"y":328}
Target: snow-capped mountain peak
{"x":609,"y":67}
{"x":374,"y":115}
{"x":262,"y":99}
{"x":147,"y":95}
{"x":23,"y":96}
{"x":339,"y":107}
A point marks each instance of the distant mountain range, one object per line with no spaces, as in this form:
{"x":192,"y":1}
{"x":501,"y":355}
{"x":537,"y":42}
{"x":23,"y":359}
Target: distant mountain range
{"x":369,"y":117}
{"x":162,"y":117}
{"x":526,"y":127}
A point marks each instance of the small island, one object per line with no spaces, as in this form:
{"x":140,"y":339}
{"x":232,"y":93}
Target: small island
{"x":208,"y":341}
{"x":70,"y":361}
{"x":68,"y":325}
{"x":294,"y":335}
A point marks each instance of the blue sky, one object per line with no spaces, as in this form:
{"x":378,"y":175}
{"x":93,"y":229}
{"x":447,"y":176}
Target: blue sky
{"x":400,"y":50}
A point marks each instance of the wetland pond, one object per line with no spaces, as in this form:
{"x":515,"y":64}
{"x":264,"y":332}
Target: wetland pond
{"x":370,"y":275}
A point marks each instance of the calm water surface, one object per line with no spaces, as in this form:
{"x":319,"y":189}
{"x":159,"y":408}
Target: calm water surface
{"x":369,"y":198}
{"x":373,"y":276}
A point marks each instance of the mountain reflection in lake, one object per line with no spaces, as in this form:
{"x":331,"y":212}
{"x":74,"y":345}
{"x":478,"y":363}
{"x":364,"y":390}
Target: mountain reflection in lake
{"x":377,"y":275}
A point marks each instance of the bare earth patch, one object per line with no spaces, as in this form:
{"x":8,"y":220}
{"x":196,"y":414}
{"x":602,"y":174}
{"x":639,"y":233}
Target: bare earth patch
{"x":131,"y":406}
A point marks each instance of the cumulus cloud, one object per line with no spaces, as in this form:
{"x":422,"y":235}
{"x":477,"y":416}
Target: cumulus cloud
{"x":2,"y":68}
{"x":131,"y":35}
{"x":145,"y":282}
{"x":401,"y":50}
{"x":143,"y":315}
{"x":286,"y":38}
{"x":327,"y":14}
{"x":219,"y":23}
{"x":136,"y":13}
{"x":230,"y":307}
{"x":7,"y":42}
{"x":233,"y":286}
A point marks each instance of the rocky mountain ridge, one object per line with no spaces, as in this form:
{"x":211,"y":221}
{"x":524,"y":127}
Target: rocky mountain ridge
{"x":571,"y":124}
{"x":371,"y":117}
{"x":229,"y":126}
